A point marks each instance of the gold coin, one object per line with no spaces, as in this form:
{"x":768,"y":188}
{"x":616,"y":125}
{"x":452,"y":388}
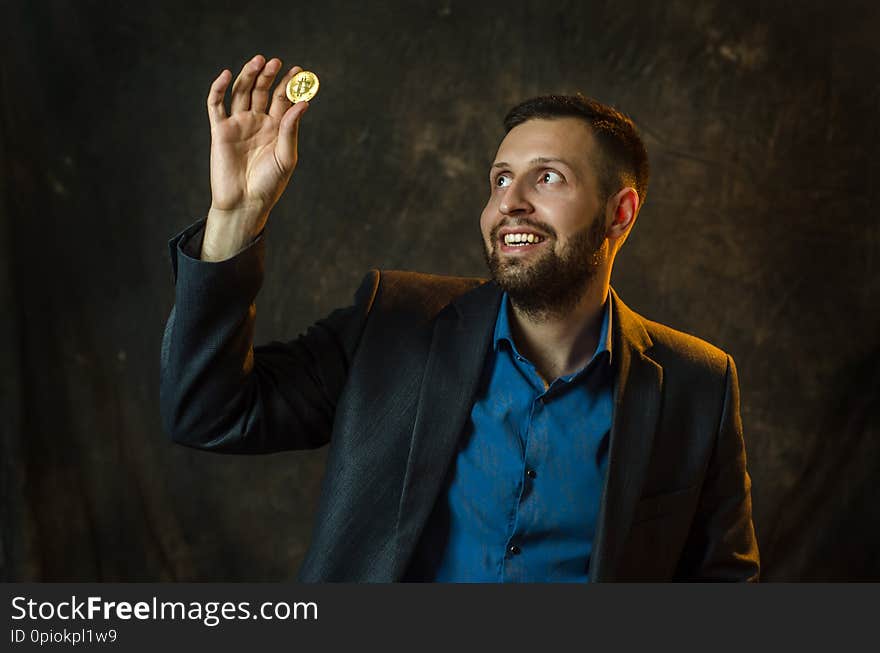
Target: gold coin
{"x":302,"y":87}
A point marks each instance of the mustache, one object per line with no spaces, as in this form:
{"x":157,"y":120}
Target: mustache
{"x":523,"y":222}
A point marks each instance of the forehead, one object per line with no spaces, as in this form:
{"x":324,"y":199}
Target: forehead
{"x":566,"y":138}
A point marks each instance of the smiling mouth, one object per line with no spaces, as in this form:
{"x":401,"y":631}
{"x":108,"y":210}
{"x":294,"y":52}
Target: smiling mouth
{"x":519,"y":242}
{"x":521,"y":239}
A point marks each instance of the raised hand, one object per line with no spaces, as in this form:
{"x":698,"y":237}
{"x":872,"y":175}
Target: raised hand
{"x":253,"y":153}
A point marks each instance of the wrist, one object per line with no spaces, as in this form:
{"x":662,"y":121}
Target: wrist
{"x":227,"y":232}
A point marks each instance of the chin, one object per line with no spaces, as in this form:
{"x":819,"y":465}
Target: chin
{"x":549,"y":284}
{"x":518,"y":276}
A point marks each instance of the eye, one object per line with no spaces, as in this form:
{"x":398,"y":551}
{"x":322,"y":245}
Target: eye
{"x":551,"y":174}
{"x":501,"y":178}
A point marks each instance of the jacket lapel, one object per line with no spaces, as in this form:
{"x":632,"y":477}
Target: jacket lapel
{"x":638,"y":383}
{"x":461,"y":338}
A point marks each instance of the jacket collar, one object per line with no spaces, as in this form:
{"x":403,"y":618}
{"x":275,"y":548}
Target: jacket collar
{"x":604,"y":345}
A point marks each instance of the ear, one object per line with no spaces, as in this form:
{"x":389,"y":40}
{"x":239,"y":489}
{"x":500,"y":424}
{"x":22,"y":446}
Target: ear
{"x":623,"y":208}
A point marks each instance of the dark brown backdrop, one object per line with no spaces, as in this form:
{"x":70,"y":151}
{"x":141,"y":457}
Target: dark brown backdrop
{"x":758,"y":235}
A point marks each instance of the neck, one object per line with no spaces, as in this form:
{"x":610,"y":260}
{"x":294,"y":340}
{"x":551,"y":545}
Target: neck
{"x":560,"y":343}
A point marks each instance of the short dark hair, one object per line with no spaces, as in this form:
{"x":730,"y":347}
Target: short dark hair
{"x":624,"y":158}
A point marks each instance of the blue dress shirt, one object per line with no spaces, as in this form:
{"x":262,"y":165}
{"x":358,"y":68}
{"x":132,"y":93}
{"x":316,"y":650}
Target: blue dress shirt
{"x":520,"y":503}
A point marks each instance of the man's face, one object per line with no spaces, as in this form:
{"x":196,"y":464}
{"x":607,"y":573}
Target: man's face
{"x":544,"y":224}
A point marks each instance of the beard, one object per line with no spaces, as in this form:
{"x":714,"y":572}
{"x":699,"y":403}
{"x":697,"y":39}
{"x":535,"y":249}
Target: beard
{"x":549,"y":283}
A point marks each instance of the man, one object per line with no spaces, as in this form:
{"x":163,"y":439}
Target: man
{"x":528,"y":428}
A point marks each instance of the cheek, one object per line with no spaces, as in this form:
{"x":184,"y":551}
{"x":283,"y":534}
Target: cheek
{"x":575,"y":216}
{"x":486,"y":222}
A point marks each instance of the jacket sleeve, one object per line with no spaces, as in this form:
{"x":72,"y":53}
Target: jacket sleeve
{"x":722,"y":545}
{"x":219,"y":392}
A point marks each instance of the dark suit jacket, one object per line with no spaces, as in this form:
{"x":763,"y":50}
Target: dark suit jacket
{"x":389,"y":382}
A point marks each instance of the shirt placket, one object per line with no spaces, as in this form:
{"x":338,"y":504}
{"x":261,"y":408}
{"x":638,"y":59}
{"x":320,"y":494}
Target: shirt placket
{"x":514,"y":566}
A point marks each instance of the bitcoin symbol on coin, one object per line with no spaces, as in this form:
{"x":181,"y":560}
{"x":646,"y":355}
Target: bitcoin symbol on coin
{"x":302,"y":87}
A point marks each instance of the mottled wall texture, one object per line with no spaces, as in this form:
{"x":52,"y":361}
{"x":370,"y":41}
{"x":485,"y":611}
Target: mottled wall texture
{"x":758,"y":235}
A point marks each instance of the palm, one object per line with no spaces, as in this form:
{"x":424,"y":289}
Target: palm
{"x":244,"y":167}
{"x":253,"y":153}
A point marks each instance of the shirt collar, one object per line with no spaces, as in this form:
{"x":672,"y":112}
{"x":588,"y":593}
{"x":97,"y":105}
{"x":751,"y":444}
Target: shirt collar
{"x":502,"y":328}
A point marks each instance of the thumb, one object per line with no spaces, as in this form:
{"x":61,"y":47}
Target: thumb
{"x":288,"y":133}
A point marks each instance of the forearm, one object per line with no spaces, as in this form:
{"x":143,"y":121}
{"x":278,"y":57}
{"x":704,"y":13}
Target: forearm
{"x":217,"y":390}
{"x":206,"y":387}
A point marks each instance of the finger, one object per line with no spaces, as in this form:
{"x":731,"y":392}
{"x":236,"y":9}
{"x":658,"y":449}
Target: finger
{"x":244,"y":84}
{"x":288,"y":135}
{"x":216,"y":110}
{"x":260,"y":95}
{"x":280,"y":101}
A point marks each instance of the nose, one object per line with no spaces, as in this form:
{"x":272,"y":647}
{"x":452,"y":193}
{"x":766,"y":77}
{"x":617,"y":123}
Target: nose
{"x":515,"y":200}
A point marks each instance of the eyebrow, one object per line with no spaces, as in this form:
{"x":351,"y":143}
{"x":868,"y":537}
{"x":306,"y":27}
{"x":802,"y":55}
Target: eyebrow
{"x":535,"y":161}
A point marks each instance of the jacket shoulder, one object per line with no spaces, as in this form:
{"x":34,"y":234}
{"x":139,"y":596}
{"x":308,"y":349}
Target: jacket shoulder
{"x":420,"y":294}
{"x":674,"y":347}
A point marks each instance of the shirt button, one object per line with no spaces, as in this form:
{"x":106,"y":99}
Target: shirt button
{"x":531,"y":473}
{"x":513,"y":549}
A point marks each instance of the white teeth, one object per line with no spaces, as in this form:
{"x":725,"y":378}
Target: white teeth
{"x":511,"y":239}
